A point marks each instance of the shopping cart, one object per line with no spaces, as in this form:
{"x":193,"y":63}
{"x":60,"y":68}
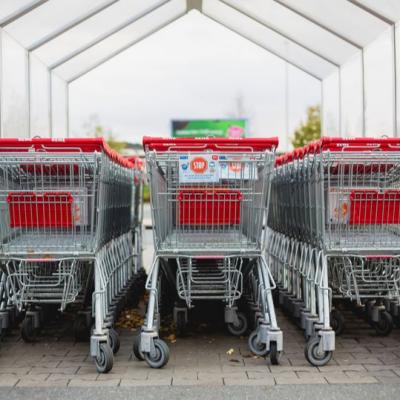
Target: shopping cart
{"x":208,"y":203}
{"x":334,"y":232}
{"x":65,"y":233}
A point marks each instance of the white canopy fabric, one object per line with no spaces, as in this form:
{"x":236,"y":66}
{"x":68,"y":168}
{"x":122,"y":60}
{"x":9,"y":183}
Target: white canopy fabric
{"x":341,"y":43}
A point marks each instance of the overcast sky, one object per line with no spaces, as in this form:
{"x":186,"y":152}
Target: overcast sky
{"x":193,"y":68}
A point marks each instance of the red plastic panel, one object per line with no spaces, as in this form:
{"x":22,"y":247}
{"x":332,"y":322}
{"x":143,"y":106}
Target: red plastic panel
{"x":216,"y":144}
{"x":372,"y":207}
{"x":47,"y":210}
{"x":216,"y":206}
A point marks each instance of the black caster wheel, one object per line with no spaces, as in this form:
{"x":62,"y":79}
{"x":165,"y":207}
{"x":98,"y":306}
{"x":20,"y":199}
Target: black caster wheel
{"x":28,"y":332}
{"x":240,"y":328}
{"x":81,"y":329}
{"x":181,"y":326}
{"x":256,"y":347}
{"x":161,"y":356}
{"x":274,"y":354}
{"x":114,"y":340}
{"x":105,"y":359}
{"x":313,"y":355}
{"x":385,"y":324}
{"x":337,"y":322}
{"x":136,"y":348}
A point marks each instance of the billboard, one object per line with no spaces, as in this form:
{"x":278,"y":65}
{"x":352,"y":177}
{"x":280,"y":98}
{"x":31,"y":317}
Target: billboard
{"x":198,"y":128}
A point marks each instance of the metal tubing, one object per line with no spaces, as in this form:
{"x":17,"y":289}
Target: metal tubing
{"x":279,"y":32}
{"x":70,"y":25}
{"x":153,"y":294}
{"x":106,"y":35}
{"x":372,"y":12}
{"x":122,"y":49}
{"x":312,"y":74}
{"x":21,"y":12}
{"x":318,"y":23}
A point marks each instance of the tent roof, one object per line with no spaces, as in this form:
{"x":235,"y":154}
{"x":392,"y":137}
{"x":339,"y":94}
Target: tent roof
{"x":73,"y":36}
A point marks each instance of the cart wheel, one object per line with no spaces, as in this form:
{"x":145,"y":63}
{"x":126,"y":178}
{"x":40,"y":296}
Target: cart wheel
{"x":385,"y":324}
{"x":337,"y":322}
{"x":181,"y":324}
{"x":105,"y":359}
{"x":313,"y":355}
{"x":256,"y":347}
{"x":114,"y":340}
{"x":274,"y":354}
{"x":161,"y":356}
{"x":28,"y":332}
{"x":81,"y":329}
{"x":239,"y":329}
{"x":136,"y":348}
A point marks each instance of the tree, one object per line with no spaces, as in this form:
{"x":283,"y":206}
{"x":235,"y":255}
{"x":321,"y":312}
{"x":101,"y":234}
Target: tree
{"x":94,"y":128}
{"x":310,"y":130}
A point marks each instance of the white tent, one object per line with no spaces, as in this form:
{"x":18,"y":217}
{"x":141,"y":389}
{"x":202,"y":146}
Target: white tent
{"x":349,"y":46}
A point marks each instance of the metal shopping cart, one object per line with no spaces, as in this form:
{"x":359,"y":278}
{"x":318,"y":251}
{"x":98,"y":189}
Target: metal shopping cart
{"x":334,"y":232}
{"x":208,"y":200}
{"x":65,"y":233}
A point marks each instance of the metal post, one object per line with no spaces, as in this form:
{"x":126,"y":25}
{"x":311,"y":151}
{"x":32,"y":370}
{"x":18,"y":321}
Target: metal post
{"x":364,"y":118}
{"x":321,"y":113}
{"x":50,"y":96}
{"x":28,"y":90}
{"x":287,"y":102}
{"x":67,"y":109}
{"x":1,"y":83}
{"x":395,"y":88}
{"x":340,"y":102}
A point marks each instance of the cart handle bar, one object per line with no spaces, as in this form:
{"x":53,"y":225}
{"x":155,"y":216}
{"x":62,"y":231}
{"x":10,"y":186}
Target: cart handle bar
{"x":67,"y":145}
{"x":340,"y":145}
{"x":216,"y":144}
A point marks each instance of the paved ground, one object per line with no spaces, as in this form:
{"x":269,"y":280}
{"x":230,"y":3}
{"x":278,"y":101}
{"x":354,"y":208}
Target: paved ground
{"x":203,"y":366}
{"x":202,"y":359}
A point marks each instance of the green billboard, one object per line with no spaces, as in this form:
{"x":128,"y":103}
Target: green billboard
{"x":196,"y":128}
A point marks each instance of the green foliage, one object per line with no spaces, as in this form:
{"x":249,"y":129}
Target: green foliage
{"x":310,"y":130}
{"x":95,"y":129}
{"x":146,"y":193}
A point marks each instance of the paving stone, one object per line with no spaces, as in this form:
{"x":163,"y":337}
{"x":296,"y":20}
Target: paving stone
{"x":340,"y":368}
{"x":18,"y":371}
{"x":341,"y":377}
{"x":311,"y":377}
{"x":8,"y":380}
{"x":267,"y":381}
{"x":286,"y":377}
{"x":83,"y":382}
{"x":257,"y":374}
{"x":139,"y":382}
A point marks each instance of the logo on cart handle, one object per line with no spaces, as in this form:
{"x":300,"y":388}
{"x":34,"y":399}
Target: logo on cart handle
{"x":199,"y":165}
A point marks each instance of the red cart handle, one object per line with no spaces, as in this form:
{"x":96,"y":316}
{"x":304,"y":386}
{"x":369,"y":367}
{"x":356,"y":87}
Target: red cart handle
{"x":216,"y":144}
{"x":68,"y":145}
